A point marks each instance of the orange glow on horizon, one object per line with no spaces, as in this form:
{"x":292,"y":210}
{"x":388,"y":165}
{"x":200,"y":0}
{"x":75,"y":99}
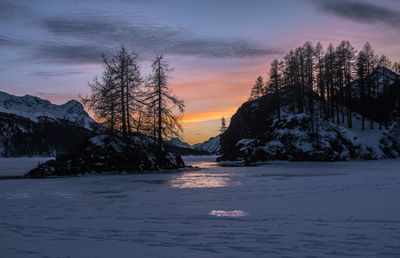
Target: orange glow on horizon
{"x":196,"y":117}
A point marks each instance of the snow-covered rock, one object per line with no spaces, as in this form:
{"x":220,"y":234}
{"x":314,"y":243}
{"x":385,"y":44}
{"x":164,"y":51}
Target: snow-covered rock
{"x":212,"y":145}
{"x":37,"y":109}
{"x":291,"y":138}
{"x":107,"y":153}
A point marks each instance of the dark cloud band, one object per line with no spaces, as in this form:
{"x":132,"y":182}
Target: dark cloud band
{"x":144,"y":37}
{"x":361,"y":12}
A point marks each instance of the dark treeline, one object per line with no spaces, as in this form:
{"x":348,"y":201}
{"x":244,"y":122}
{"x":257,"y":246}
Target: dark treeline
{"x":330,"y":84}
{"x":20,"y":136}
{"x":126,"y":102}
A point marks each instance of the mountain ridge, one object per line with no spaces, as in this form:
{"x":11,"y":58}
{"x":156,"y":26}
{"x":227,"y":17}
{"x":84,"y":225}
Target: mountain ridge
{"x":31,"y":126}
{"x":35,"y":109}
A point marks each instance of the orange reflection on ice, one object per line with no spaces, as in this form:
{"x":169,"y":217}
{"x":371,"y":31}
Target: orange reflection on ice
{"x":202,"y":180}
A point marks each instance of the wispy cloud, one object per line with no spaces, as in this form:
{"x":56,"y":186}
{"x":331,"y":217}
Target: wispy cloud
{"x":361,"y":11}
{"x":9,"y":10}
{"x":69,"y":53}
{"x":7,"y":41}
{"x":98,"y":34}
{"x":49,"y":74}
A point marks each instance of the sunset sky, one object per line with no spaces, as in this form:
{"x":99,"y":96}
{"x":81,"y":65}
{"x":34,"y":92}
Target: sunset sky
{"x":52,"y":49}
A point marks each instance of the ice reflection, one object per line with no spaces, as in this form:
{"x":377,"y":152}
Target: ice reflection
{"x":202,"y":180}
{"x":234,"y":213}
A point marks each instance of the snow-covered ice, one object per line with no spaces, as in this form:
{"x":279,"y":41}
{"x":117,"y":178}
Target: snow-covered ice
{"x":279,"y":209}
{"x":19,"y":166}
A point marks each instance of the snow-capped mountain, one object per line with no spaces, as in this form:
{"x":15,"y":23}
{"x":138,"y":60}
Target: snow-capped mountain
{"x":30,"y":126}
{"x":177,"y":142}
{"x":212,"y":145}
{"x":36,"y":109}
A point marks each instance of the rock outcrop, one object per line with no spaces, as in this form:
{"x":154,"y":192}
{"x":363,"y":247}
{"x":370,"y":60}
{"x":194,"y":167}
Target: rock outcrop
{"x":108,"y":153}
{"x":256,"y":134}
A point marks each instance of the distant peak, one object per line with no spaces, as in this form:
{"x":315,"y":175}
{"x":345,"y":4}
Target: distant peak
{"x":34,"y":107}
{"x":72,"y":102}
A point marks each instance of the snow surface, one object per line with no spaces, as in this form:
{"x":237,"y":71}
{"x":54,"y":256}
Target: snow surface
{"x":280,"y":209}
{"x":35,"y":108}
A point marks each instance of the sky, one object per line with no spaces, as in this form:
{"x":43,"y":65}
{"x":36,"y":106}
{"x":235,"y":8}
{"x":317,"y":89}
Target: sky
{"x":52,"y":48}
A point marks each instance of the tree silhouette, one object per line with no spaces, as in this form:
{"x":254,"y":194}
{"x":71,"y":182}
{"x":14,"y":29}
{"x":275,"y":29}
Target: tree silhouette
{"x":223,"y":125}
{"x":162,"y":102}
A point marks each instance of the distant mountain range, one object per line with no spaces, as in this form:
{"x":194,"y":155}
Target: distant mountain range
{"x":210,"y":146}
{"x":30,"y":126}
{"x":179,"y":143}
{"x":36,"y":110}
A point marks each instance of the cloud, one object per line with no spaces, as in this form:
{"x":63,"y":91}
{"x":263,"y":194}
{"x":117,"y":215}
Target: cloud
{"x":69,"y":53}
{"x":105,"y":33}
{"x":360,"y":12}
{"x":13,"y":10}
{"x":48,"y":74}
{"x":9,"y":10}
{"x":6,"y":41}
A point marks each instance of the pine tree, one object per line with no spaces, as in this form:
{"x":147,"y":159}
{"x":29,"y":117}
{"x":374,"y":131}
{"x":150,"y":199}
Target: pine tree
{"x":113,"y":98}
{"x":329,"y":60}
{"x":125,"y":76}
{"x":362,"y":73}
{"x":370,"y":63}
{"x":167,"y":124}
{"x":223,"y":125}
{"x":383,"y":62}
{"x":258,"y":88}
{"x":275,"y":78}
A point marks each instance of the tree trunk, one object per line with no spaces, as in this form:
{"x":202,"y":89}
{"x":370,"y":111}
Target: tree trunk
{"x":123,"y":98}
{"x":362,"y":96}
{"x":159,"y":109}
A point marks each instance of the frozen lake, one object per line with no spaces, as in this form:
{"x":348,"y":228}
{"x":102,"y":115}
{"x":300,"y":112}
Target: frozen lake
{"x":275,"y":210}
{"x":19,"y":166}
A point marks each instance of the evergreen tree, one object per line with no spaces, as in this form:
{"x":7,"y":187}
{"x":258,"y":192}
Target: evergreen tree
{"x":383,"y":62}
{"x":113,"y":99}
{"x":275,"y":78}
{"x":258,"y":88}
{"x":167,"y":124}
{"x":223,"y":125}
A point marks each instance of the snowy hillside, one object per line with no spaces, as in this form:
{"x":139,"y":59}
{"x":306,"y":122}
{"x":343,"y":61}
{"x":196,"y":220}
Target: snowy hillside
{"x":177,"y":142}
{"x":256,"y":134}
{"x":36,"y":109}
{"x":291,"y":139}
{"x":212,"y":145}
